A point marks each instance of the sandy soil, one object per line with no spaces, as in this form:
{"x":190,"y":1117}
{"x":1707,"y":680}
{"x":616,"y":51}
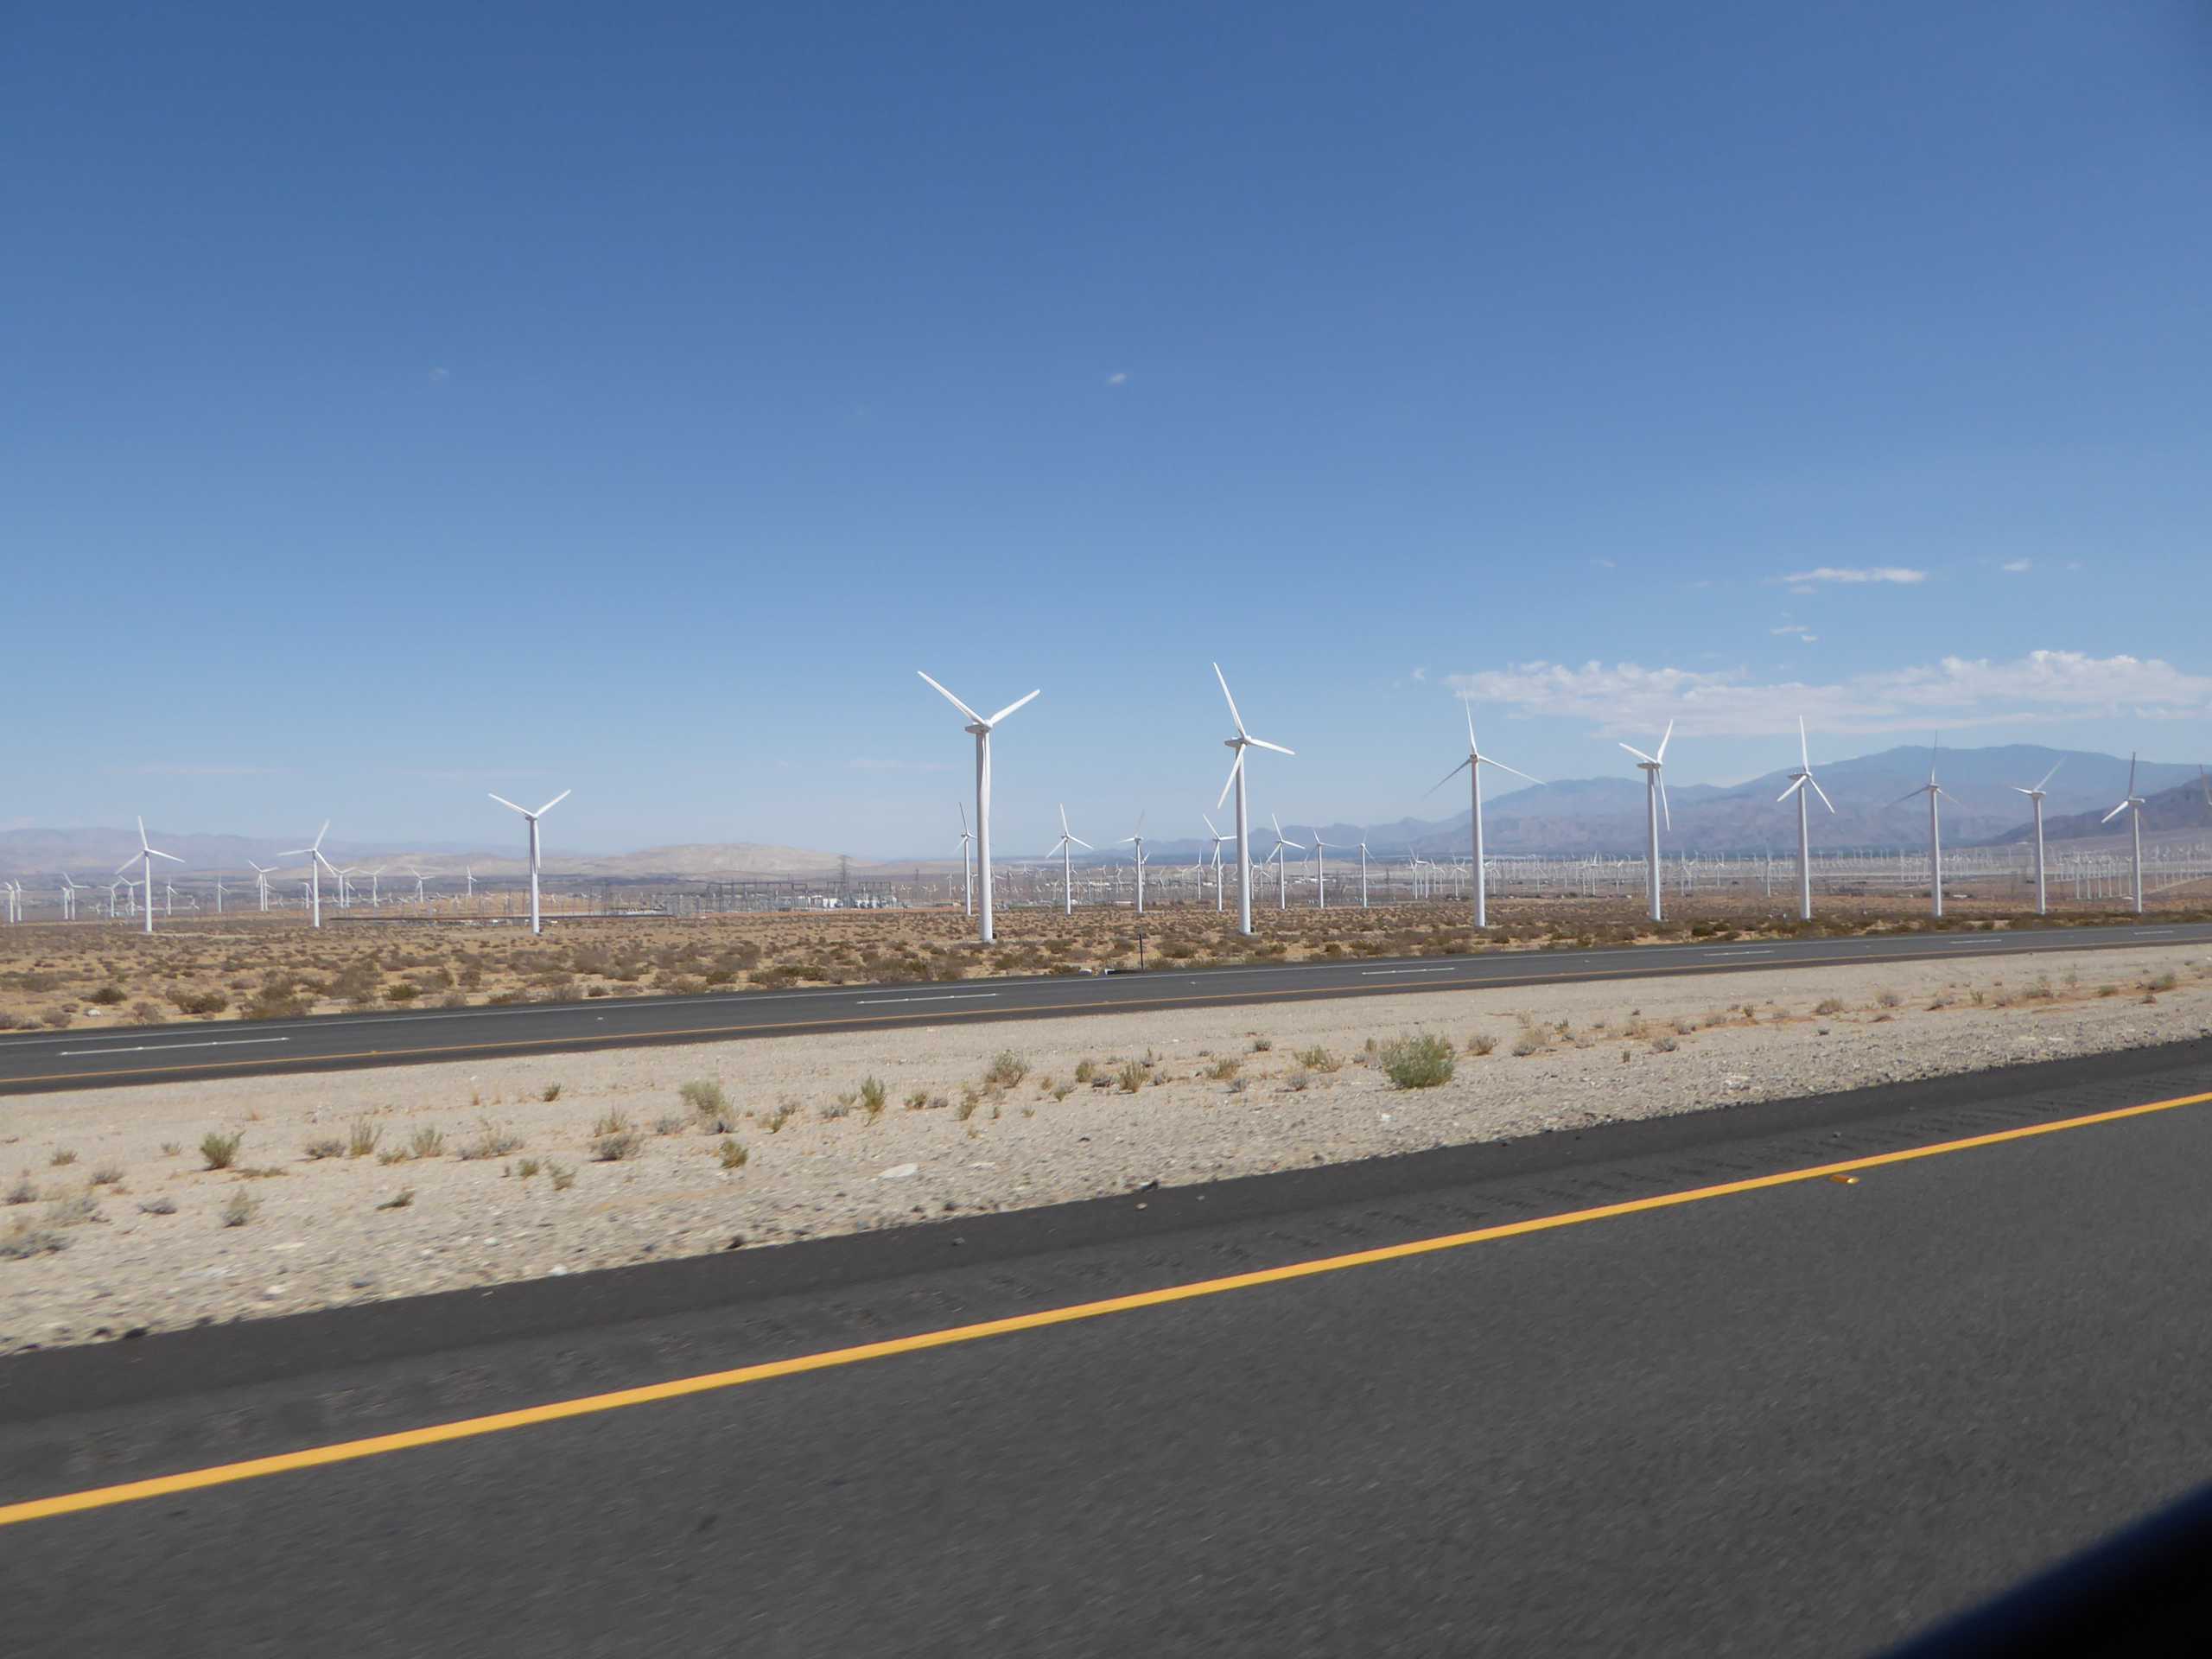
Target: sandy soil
{"x":93,"y":974}
{"x":140,"y":1221}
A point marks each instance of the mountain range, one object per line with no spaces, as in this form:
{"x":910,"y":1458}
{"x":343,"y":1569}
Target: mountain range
{"x":1875,"y":807}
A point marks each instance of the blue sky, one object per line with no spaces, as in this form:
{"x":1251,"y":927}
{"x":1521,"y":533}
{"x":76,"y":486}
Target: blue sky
{"x":405,"y":403}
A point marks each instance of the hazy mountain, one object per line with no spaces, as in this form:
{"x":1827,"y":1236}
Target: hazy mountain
{"x":2184,"y":807}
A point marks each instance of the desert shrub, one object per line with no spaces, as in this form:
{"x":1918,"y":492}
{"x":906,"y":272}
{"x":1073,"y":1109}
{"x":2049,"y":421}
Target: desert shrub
{"x":871,"y":1096}
{"x":614,"y":1148}
{"x":60,"y":1158}
{"x":220,"y":1150}
{"x":1262,"y":1045}
{"x":1828,"y":1005}
{"x":158,"y":1207}
{"x":361,"y":1137}
{"x":328,"y":1146}
{"x":550,"y":1092}
{"x":403,"y":991}
{"x":200,"y":1002}
{"x":398,"y":1200}
{"x":1318,"y":1058}
{"x":1419,"y":1062}
{"x":1086,"y":1070}
{"x":108,"y":1175}
{"x":24,"y":1191}
{"x":669,"y":1124}
{"x":1007,"y":1069}
{"x":429,"y":1142}
{"x":108,"y":996}
{"x":239,"y":1209}
{"x":492,"y":1139}
{"x":1665,"y":1044}
{"x":734,"y":1155}
{"x":1131,"y":1077}
{"x":22,"y":1240}
{"x":1224,"y":1068}
{"x":1481,"y":1043}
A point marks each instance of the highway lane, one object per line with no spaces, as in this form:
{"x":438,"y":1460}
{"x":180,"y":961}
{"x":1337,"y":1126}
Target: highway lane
{"x":1805,"y":1418}
{"x":33,"y":1063}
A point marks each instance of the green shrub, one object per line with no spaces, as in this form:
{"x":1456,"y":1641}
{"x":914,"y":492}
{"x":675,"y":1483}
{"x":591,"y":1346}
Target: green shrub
{"x":1421,"y":1062}
{"x":221,"y":1151}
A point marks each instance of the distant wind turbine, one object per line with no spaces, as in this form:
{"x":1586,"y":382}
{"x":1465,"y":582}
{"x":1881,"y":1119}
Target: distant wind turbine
{"x":1803,"y":783}
{"x":1137,"y":840}
{"x":1321,"y":871}
{"x":1282,"y":865}
{"x":1242,"y":740}
{"x":144,"y":857}
{"x":1069,"y":840}
{"x":1217,"y":838}
{"x":2035,"y":796}
{"x":967,"y":867}
{"x":537,"y":922}
{"x":1654,"y":790}
{"x":982,"y":729}
{"x":316,"y":865}
{"x":1473,"y":766}
{"x":69,"y":891}
{"x":1935,"y":795}
{"x":2133,"y":807}
{"x":261,"y":880}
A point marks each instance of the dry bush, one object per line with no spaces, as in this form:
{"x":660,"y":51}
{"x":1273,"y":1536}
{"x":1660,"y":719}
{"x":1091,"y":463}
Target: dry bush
{"x":1419,"y":1062}
{"x":221,"y":1150}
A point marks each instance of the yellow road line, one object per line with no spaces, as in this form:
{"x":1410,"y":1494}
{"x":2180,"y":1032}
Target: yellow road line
{"x":100,"y":1498}
{"x":880,"y":1021}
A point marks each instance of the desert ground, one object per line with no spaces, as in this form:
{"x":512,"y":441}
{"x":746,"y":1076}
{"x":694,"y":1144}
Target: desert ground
{"x":90,"y":973}
{"x":130,"y":1210}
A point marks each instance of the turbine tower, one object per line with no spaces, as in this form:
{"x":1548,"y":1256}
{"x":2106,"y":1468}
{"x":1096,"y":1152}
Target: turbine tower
{"x":1242,"y":740}
{"x":2133,"y":807}
{"x":144,"y":857}
{"x":1655,"y":789}
{"x":261,"y":880}
{"x":1935,"y":795}
{"x":1068,"y":840}
{"x":1362,"y":873}
{"x":1801,"y":783}
{"x":2035,"y":796}
{"x":69,"y":891}
{"x":536,"y":921}
{"x":1321,"y":871}
{"x":983,"y":730}
{"x":1473,"y":766}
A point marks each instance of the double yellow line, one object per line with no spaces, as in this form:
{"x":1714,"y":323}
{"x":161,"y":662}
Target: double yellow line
{"x":225,"y":1474}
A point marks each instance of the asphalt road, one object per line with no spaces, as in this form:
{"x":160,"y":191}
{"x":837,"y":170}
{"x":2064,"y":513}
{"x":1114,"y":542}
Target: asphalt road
{"x":32,"y":1064}
{"x":1803,"y":1418}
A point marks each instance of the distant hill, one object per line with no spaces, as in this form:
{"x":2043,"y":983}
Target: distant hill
{"x":2184,"y":807}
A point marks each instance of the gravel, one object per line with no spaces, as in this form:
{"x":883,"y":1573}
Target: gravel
{"x":322,"y":1232}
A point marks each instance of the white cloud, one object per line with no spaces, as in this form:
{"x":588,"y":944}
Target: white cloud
{"x":870,"y":763}
{"x":2017,"y":567}
{"x":1120,"y":378}
{"x":1896,"y":573}
{"x":1624,"y":698}
{"x":1606,"y":564}
{"x":1795,"y":627}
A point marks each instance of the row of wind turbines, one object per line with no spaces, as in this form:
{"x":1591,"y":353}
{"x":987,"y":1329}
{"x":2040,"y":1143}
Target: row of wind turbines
{"x":1803,"y":788}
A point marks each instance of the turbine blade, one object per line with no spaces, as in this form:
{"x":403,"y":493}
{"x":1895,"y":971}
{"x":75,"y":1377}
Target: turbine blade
{"x":1665,"y":811}
{"x":158,"y":853}
{"x":1081,"y":842}
{"x":1235,"y":767}
{"x":1516,"y":771}
{"x":321,"y":833}
{"x":1235,"y":719}
{"x":1011,"y":706}
{"x":1665,"y":738}
{"x":1823,"y":793}
{"x":1448,"y":776}
{"x":1802,"y":778}
{"x":1467,"y":706}
{"x":555,"y":802}
{"x":1263,"y":743}
{"x":1639,"y":755}
{"x":502,"y":799}
{"x":2114,"y":813}
{"x":1804,"y":754}
{"x":1912,"y":794}
{"x":126,"y":863}
{"x":2052,"y":773}
{"x":949,"y":698}
{"x":1210,"y":831}
{"x":2130,"y":776}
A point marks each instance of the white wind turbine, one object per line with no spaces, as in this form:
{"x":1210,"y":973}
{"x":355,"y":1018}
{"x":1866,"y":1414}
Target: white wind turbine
{"x":261,"y":880}
{"x":1655,"y":788}
{"x":1363,"y":873}
{"x":537,"y":922}
{"x":1321,"y":871}
{"x":1935,"y":795}
{"x":1242,"y":740}
{"x":422,"y":899}
{"x":69,"y":891}
{"x":376,"y":899}
{"x":2133,"y":807}
{"x":316,"y":865}
{"x":2035,"y":797}
{"x":1137,"y":840}
{"x":981,"y":729}
{"x":1217,"y":838}
{"x":1282,"y":865}
{"x":14,"y":892}
{"x":144,"y":857}
{"x":1473,"y":766}
{"x":1069,"y":840}
{"x":1801,"y":783}
{"x":967,"y":867}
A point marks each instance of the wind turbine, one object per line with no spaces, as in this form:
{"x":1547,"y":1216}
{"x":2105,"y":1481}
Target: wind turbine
{"x":69,"y":891}
{"x":2133,"y":807}
{"x":316,"y":865}
{"x":537,"y":922}
{"x":1138,"y":840}
{"x":1363,"y":873}
{"x":983,"y":730}
{"x":967,"y":867}
{"x":1935,"y":795}
{"x":1654,"y":790}
{"x":1217,"y":838}
{"x":2035,"y":795}
{"x":422,"y":899}
{"x":1069,"y":840}
{"x":1282,"y":864}
{"x":1803,"y":783}
{"x":144,"y":857}
{"x":375,"y":900}
{"x":1473,"y":766}
{"x":1242,"y":740}
{"x":261,"y":880}
{"x":1321,"y":871}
